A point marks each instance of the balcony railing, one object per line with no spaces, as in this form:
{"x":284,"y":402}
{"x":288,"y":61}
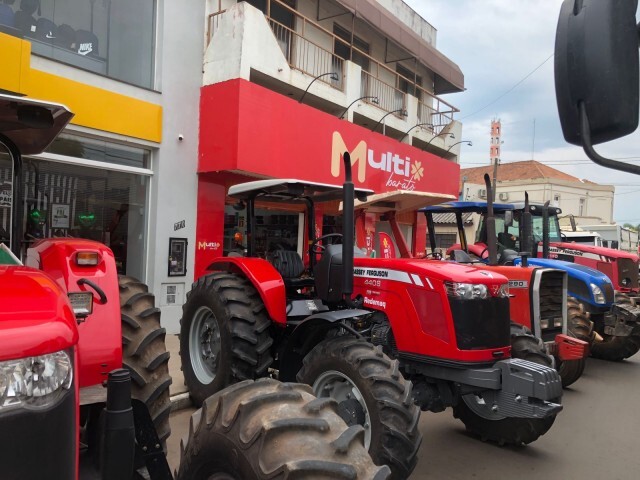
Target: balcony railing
{"x":377,"y":78}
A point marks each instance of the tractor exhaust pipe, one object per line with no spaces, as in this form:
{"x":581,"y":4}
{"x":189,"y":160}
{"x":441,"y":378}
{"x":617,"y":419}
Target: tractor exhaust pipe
{"x":491,"y":224}
{"x":525,"y":238}
{"x":118,"y":442}
{"x":545,"y":230}
{"x":348,"y":228}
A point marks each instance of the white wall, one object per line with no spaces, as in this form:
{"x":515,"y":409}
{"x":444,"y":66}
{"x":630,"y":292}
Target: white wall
{"x":174,"y":185}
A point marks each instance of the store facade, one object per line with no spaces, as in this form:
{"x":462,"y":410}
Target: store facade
{"x":123,"y":171}
{"x":262,"y":134}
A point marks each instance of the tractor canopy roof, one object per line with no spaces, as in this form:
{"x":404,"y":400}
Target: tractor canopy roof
{"x":291,"y":190}
{"x":31,"y":124}
{"x":466,"y":207}
{"x":400,"y":201}
{"x":481,"y":207}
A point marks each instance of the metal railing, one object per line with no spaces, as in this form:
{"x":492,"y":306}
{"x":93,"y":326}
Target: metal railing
{"x":308,"y":57}
{"x":377,"y":78}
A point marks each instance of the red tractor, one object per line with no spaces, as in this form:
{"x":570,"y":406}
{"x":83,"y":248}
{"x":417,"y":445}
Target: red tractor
{"x":538,"y":294}
{"x":83,"y":366}
{"x":444,"y":327}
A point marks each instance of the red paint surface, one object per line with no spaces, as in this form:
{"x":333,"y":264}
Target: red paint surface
{"x":248,"y":128}
{"x":435,"y":336}
{"x":264,"y":277}
{"x":100,"y":341}
{"x":36,"y":317}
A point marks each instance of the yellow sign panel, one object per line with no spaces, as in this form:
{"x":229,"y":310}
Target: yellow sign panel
{"x":93,"y":107}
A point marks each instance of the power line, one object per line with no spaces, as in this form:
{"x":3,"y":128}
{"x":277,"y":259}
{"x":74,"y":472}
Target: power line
{"x":511,"y":89}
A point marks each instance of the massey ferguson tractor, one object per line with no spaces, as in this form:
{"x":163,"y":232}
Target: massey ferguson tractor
{"x":608,"y":320}
{"x":538,"y":294}
{"x":84,"y":382}
{"x":362,"y":330}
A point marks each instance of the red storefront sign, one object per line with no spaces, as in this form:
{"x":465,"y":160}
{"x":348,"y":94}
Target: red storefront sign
{"x":247,"y":128}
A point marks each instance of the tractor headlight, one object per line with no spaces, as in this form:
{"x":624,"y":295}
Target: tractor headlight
{"x":466,"y":291}
{"x":625,"y":282}
{"x":35,"y":382}
{"x":544,"y":323}
{"x":598,"y":296}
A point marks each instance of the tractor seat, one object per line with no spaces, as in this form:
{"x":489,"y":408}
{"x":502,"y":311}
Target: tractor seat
{"x":289,"y":264}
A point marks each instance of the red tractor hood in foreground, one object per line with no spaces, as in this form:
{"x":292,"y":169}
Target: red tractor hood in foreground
{"x":35,"y":317}
{"x":433,"y":269}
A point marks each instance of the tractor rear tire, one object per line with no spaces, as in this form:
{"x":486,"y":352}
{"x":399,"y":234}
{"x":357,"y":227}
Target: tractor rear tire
{"x":616,"y":349}
{"x":481,"y":421}
{"x":224,"y":335}
{"x":267,"y":429}
{"x":144,"y":352}
{"x":371,"y":392}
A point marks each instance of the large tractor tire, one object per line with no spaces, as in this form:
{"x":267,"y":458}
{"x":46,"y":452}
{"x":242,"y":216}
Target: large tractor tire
{"x":579,"y":325}
{"x":480,"y":420}
{"x":616,"y":349}
{"x":371,"y":392}
{"x":271,"y":430}
{"x":144,"y":352}
{"x":224,"y":335}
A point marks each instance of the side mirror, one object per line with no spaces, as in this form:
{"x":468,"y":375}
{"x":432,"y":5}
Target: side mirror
{"x":596,"y":70}
{"x":572,"y":219}
{"x":508,"y":218}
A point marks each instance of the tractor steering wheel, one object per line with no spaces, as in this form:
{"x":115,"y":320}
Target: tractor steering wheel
{"x":318,"y":249}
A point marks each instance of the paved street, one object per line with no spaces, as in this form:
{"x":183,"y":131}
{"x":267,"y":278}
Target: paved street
{"x":595,"y":437}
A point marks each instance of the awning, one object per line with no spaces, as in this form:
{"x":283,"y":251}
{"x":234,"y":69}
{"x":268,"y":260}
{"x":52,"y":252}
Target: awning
{"x":448,"y":76}
{"x":400,"y":201}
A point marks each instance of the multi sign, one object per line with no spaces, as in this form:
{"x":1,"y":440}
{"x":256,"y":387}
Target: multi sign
{"x":256,"y":135}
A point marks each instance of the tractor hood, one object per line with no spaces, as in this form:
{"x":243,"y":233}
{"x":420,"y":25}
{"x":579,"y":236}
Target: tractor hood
{"x":36,"y":317}
{"x":581,"y":249}
{"x":406,"y":268}
{"x":580,"y":272}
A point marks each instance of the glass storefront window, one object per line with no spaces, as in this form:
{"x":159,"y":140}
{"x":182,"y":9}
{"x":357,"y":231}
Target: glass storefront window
{"x":64,"y":200}
{"x":110,"y":37}
{"x":275,"y":229}
{"x":100,"y":150}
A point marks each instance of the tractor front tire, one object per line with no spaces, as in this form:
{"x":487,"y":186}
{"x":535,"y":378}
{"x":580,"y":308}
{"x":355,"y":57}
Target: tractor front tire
{"x":224,"y":335}
{"x":616,"y":349}
{"x":480,"y":420}
{"x":579,"y":324}
{"x":370,"y":391}
{"x":144,"y":352}
{"x":267,"y":430}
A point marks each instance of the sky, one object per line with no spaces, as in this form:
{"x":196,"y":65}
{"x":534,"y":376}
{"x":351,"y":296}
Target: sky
{"x":505,"y":51}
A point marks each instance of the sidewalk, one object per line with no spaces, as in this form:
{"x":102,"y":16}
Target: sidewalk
{"x":177,"y":390}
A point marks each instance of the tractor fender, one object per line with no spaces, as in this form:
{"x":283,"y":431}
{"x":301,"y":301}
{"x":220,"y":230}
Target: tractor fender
{"x":264,"y":277}
{"x":580,"y":279}
{"x":311,"y":331}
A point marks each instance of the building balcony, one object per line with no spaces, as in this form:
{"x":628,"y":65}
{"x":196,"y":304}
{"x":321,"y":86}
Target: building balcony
{"x":286,"y":51}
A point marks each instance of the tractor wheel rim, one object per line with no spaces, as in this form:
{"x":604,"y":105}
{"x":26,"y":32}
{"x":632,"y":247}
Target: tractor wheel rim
{"x":341,"y":388}
{"x":478,"y":405}
{"x":204,"y":345}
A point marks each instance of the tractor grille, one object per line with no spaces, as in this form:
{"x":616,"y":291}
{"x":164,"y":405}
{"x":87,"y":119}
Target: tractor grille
{"x":481,"y":324}
{"x":627,"y":268}
{"x":40,"y":443}
{"x":609,"y":295}
{"x":550,"y":301}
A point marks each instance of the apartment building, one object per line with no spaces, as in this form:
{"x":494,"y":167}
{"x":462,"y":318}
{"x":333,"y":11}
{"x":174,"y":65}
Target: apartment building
{"x":176,"y":101}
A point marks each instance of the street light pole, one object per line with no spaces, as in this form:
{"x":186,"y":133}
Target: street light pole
{"x":334,"y":76}
{"x":468,"y":142}
{"x":373,"y":100}
{"x":415,"y":126}
{"x":451,"y":135}
{"x":401,"y":110}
